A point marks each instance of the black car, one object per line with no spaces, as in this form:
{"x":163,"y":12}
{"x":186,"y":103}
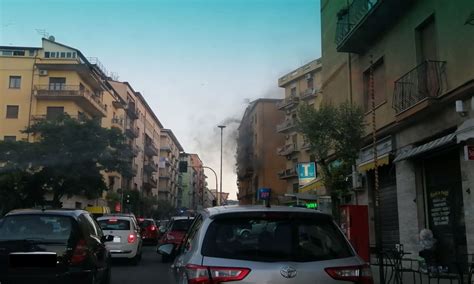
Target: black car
{"x":52,"y":246}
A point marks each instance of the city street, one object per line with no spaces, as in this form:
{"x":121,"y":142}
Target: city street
{"x":149,"y":270}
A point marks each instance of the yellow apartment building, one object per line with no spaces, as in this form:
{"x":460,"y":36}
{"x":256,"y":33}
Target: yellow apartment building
{"x":169,"y":185}
{"x":419,"y":56}
{"x":302,"y":85}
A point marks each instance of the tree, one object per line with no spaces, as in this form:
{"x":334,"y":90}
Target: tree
{"x":335,"y":136}
{"x":67,"y":158}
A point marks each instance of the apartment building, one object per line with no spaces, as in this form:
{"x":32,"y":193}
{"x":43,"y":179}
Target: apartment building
{"x":302,"y":86}
{"x":258,"y":162}
{"x":170,"y":148}
{"x":185,"y":183}
{"x":43,"y":82}
{"x":198,"y":181}
{"x":417,"y":58}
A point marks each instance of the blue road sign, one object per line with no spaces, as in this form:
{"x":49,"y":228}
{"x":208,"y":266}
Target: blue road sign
{"x":306,"y":172}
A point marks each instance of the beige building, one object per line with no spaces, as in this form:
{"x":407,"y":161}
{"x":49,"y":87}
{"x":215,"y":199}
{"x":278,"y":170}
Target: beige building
{"x":302,"y":86}
{"x":419,"y":56}
{"x":170,"y":148}
{"x":258,"y":162}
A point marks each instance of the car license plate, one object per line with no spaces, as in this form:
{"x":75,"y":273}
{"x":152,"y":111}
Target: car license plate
{"x":32,"y":259}
{"x":117,"y":239}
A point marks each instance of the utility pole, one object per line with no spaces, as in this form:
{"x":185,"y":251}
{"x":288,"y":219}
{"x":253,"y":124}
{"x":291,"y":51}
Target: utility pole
{"x":219,"y":195}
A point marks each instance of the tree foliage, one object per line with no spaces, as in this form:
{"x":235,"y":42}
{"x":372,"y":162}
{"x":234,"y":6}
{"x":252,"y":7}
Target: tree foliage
{"x":335,"y":136}
{"x":67,"y":158}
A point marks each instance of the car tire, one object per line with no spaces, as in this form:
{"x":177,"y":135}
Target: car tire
{"x":245,"y":235}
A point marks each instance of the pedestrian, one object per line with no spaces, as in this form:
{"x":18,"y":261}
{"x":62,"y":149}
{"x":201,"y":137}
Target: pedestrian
{"x":428,"y":250}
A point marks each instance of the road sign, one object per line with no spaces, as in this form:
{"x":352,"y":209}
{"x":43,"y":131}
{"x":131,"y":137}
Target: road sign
{"x":469,"y":152}
{"x":264,"y":193}
{"x":306,"y":172}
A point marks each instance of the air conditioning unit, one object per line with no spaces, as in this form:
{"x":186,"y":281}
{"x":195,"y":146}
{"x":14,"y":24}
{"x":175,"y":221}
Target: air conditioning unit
{"x":308,"y":76}
{"x":43,"y":72}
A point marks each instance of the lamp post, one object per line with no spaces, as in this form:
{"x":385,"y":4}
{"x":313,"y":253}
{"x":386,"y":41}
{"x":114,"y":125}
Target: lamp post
{"x":219,"y":196}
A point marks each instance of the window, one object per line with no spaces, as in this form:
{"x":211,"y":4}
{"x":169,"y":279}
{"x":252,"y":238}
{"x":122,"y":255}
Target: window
{"x":7,"y":138}
{"x":296,"y":187}
{"x":68,"y":54}
{"x":310,"y":83}
{"x":276,"y":237}
{"x":21,"y":227}
{"x":54,"y":112}
{"x":15,"y":82}
{"x":57,"y":83}
{"x":63,"y":54}
{"x":426,"y":41}
{"x":18,"y":53}
{"x":53,"y":54}
{"x":293,"y":92}
{"x":12,"y":111}
{"x":31,"y":52}
{"x":379,"y":85}
{"x":7,"y":52}
{"x":46,"y":54}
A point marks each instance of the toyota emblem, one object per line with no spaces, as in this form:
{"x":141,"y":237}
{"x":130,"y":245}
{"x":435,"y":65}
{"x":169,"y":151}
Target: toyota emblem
{"x":288,"y":272}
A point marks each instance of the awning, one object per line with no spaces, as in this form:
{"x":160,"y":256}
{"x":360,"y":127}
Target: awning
{"x":370,"y":165}
{"x":440,"y":142}
{"x":312,"y":186}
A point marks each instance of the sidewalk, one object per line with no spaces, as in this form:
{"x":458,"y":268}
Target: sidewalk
{"x":408,"y":278}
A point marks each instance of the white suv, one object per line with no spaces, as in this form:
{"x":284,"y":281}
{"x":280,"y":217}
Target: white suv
{"x":127,"y":242}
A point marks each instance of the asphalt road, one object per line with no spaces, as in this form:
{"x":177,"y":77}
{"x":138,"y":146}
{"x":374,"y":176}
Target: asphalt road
{"x":149,"y":270}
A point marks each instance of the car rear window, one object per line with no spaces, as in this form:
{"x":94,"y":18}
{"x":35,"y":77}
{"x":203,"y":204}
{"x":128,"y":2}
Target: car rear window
{"x":146,"y":223}
{"x":181,"y":225}
{"x":113,"y":224}
{"x":45,"y":227}
{"x":272,"y":237}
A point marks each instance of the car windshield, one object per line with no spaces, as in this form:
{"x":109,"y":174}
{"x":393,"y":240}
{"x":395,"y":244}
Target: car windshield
{"x":181,"y":225}
{"x":20,"y":227}
{"x":280,"y":237}
{"x":114,"y":224}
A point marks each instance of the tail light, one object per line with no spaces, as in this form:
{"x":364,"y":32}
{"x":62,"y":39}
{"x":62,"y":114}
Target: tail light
{"x":197,"y":274}
{"x":152,"y":228}
{"x":360,"y":274}
{"x":131,"y":238}
{"x":80,"y":252}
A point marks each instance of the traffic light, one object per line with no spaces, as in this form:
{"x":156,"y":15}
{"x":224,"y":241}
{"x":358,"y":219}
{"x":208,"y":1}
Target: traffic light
{"x":183,"y":167}
{"x":127,"y":199}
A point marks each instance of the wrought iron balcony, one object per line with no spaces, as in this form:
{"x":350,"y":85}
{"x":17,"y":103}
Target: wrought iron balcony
{"x":424,"y":82}
{"x":308,"y":94}
{"x":287,"y":103}
{"x":286,"y":150}
{"x":164,"y":174}
{"x":151,"y":182}
{"x":131,"y":132}
{"x":88,"y":100}
{"x":132,"y":111}
{"x":150,"y":149}
{"x":286,"y":125}
{"x":150,"y":167}
{"x":117,"y":122}
{"x":287,"y":174}
{"x":363,"y":21}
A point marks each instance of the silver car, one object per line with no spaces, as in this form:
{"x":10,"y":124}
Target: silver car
{"x":299,"y":246}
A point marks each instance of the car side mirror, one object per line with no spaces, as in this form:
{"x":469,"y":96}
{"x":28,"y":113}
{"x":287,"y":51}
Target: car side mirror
{"x":166,"y":249}
{"x":107,"y":238}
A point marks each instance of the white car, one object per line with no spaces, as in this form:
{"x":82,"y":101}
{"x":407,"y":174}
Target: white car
{"x":127,"y":242}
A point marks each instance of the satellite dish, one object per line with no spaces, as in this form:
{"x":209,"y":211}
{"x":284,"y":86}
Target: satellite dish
{"x":51,"y":38}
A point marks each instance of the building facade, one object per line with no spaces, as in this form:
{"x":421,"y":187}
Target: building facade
{"x":198,"y":182}
{"x":170,"y":149}
{"x":258,"y":162}
{"x":420,"y":76}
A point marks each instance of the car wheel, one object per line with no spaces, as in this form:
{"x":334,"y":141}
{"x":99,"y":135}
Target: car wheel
{"x":245,"y":234}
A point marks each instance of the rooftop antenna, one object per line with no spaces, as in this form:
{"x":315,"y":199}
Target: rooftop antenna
{"x":42,"y":32}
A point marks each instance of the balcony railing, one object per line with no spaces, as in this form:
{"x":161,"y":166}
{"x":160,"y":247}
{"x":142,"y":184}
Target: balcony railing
{"x":426,"y":81}
{"x":61,"y":91}
{"x":135,"y":150}
{"x":134,"y":169}
{"x":289,"y":102}
{"x":165,"y":148}
{"x":150,"y":167}
{"x":131,"y":132}
{"x":286,"y":125}
{"x":152,"y":181}
{"x":164,"y":174}
{"x":150,"y":149}
{"x":308,"y":94}
{"x":288,"y":173}
{"x":132,"y":112}
{"x":351,"y":16}
{"x":117,"y":122}
{"x":286,"y":150}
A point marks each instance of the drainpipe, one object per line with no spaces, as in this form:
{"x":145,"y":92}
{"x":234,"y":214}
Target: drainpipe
{"x":31,"y":93}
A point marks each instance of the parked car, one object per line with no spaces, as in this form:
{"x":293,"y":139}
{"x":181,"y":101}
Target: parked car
{"x":127,"y":241}
{"x":304,"y":246}
{"x":175,"y":232}
{"x":53,"y":246}
{"x":149,"y":230}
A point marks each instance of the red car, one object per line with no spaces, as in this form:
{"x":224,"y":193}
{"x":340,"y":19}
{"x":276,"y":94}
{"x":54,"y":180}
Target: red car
{"x":175,"y":232}
{"x":149,"y":230}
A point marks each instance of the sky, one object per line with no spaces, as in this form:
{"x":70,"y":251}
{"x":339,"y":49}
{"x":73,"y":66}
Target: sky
{"x":197,"y":62}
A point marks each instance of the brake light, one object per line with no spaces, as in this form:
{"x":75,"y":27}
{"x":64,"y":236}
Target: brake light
{"x":113,"y":220}
{"x":197,"y":274}
{"x":152,"y":228}
{"x":360,"y":274}
{"x":80,"y":252}
{"x":131,"y":238}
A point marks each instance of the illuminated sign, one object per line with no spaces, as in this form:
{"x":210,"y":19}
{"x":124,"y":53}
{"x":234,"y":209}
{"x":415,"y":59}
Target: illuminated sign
{"x":313,"y":205}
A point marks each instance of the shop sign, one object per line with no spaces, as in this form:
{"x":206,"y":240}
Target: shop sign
{"x":469,"y":152}
{"x":440,"y":209}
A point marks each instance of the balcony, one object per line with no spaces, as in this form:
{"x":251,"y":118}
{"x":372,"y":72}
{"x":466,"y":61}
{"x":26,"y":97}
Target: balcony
{"x":150,"y":149}
{"x":131,"y":132}
{"x":150,"y":167}
{"x":286,"y":126}
{"x":118,"y":105}
{"x":90,"y":102}
{"x":363,"y":21}
{"x":306,"y":146}
{"x":164,"y":174}
{"x":419,"y":87}
{"x":132,"y":112}
{"x":165,"y":147}
{"x":288,"y":103}
{"x":151,"y":182}
{"x":287,"y":174}
{"x":308,"y":94}
{"x":117,"y":122}
{"x":286,"y":150}
{"x":135,"y":150}
{"x":134,"y":170}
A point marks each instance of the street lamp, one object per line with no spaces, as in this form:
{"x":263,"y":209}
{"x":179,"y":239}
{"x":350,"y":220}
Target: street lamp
{"x":219,"y":196}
